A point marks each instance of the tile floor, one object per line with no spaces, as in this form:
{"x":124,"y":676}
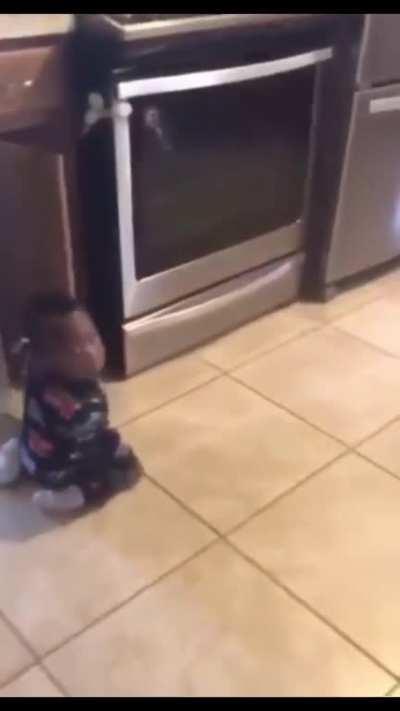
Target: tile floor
{"x":260,"y":553}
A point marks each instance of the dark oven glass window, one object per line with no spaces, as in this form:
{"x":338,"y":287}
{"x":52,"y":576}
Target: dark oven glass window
{"x":215,"y":167}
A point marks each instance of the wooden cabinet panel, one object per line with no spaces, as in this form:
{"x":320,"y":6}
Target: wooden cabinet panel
{"x":35,"y":241}
{"x":32,"y":83}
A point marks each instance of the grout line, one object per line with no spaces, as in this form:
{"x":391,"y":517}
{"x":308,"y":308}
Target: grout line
{"x":317,"y":328}
{"x":296,"y":598}
{"x":261,"y":354}
{"x":21,"y":638}
{"x":284,"y":494}
{"x":126,"y":601}
{"x":330,"y":320}
{"x":352,"y":309}
{"x":221,"y":370}
{"x":362,"y":340}
{"x":134,"y":418}
{"x":351,"y":448}
{"x":377,"y":465}
{"x":36,"y":660}
{"x":289,"y":411}
{"x":183,"y":505}
{"x":391,"y":690}
{"x":16,"y":675}
{"x":377,"y":432}
{"x":61,"y":688}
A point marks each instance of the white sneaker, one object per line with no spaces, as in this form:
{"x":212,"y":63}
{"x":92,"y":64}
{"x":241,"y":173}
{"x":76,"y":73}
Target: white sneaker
{"x":67,"y":500}
{"x":10,"y":465}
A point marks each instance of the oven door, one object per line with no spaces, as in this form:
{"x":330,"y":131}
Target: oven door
{"x":211,"y":173}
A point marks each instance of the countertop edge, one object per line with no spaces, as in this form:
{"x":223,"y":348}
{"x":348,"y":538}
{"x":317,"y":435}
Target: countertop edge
{"x":26,"y":26}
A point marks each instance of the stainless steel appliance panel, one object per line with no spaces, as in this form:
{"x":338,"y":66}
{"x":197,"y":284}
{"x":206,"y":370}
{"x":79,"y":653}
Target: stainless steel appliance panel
{"x":380,"y":52}
{"x":367,"y":226}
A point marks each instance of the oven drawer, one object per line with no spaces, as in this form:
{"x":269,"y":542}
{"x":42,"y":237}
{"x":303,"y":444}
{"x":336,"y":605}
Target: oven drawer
{"x":197,"y":319}
{"x":31,"y":82}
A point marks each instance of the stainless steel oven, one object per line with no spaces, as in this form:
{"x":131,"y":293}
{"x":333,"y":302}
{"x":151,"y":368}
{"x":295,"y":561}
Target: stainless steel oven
{"x":211,"y":174}
{"x":211,"y":151}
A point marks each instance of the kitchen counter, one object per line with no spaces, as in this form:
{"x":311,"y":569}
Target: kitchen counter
{"x":22,"y":26}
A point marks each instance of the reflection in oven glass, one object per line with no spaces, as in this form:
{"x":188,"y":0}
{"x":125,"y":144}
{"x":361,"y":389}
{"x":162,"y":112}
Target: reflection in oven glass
{"x":215,"y":167}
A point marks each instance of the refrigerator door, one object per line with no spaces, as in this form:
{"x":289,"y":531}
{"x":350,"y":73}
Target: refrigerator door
{"x":380,"y":52}
{"x":367,"y":226}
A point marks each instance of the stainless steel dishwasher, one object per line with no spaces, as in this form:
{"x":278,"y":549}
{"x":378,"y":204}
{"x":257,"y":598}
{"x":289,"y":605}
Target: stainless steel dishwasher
{"x":366,"y":225}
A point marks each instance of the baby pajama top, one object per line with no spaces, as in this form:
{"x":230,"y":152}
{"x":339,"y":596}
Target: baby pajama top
{"x":65,"y":436}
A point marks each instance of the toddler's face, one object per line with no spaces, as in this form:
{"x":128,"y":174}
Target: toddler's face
{"x":76,"y":350}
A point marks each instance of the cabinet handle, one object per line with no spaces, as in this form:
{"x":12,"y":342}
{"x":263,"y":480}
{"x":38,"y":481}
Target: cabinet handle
{"x":380,"y":106}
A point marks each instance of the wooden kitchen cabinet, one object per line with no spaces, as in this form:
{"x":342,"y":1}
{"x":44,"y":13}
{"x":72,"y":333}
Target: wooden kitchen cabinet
{"x":39,"y":243}
{"x":31,"y":85}
{"x":35,"y":242}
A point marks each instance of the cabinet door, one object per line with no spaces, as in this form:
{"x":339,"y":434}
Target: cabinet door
{"x":35,"y":244}
{"x":367,"y":226}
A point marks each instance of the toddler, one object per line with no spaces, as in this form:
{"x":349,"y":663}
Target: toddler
{"x":66,"y":445}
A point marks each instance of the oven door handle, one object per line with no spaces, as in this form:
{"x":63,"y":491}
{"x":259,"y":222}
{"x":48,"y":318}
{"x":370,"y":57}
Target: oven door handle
{"x":219,"y":77}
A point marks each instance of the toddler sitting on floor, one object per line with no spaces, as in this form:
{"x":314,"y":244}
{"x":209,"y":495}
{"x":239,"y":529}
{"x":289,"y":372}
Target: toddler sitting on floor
{"x":66,"y":444}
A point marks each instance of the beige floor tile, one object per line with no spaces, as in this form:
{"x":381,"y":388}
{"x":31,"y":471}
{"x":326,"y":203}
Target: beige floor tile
{"x":384,"y":448}
{"x":335,"y":542}
{"x":216,"y":627}
{"x":226,"y":452}
{"x":389,"y":284}
{"x":130,"y":398}
{"x":14,"y":656}
{"x":376,"y":323}
{"x":333,"y":380}
{"x":343,"y":303}
{"x":60,"y":578}
{"x":395,"y":693}
{"x":33,"y":684}
{"x":256,"y":338}
{"x":9,"y":427}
